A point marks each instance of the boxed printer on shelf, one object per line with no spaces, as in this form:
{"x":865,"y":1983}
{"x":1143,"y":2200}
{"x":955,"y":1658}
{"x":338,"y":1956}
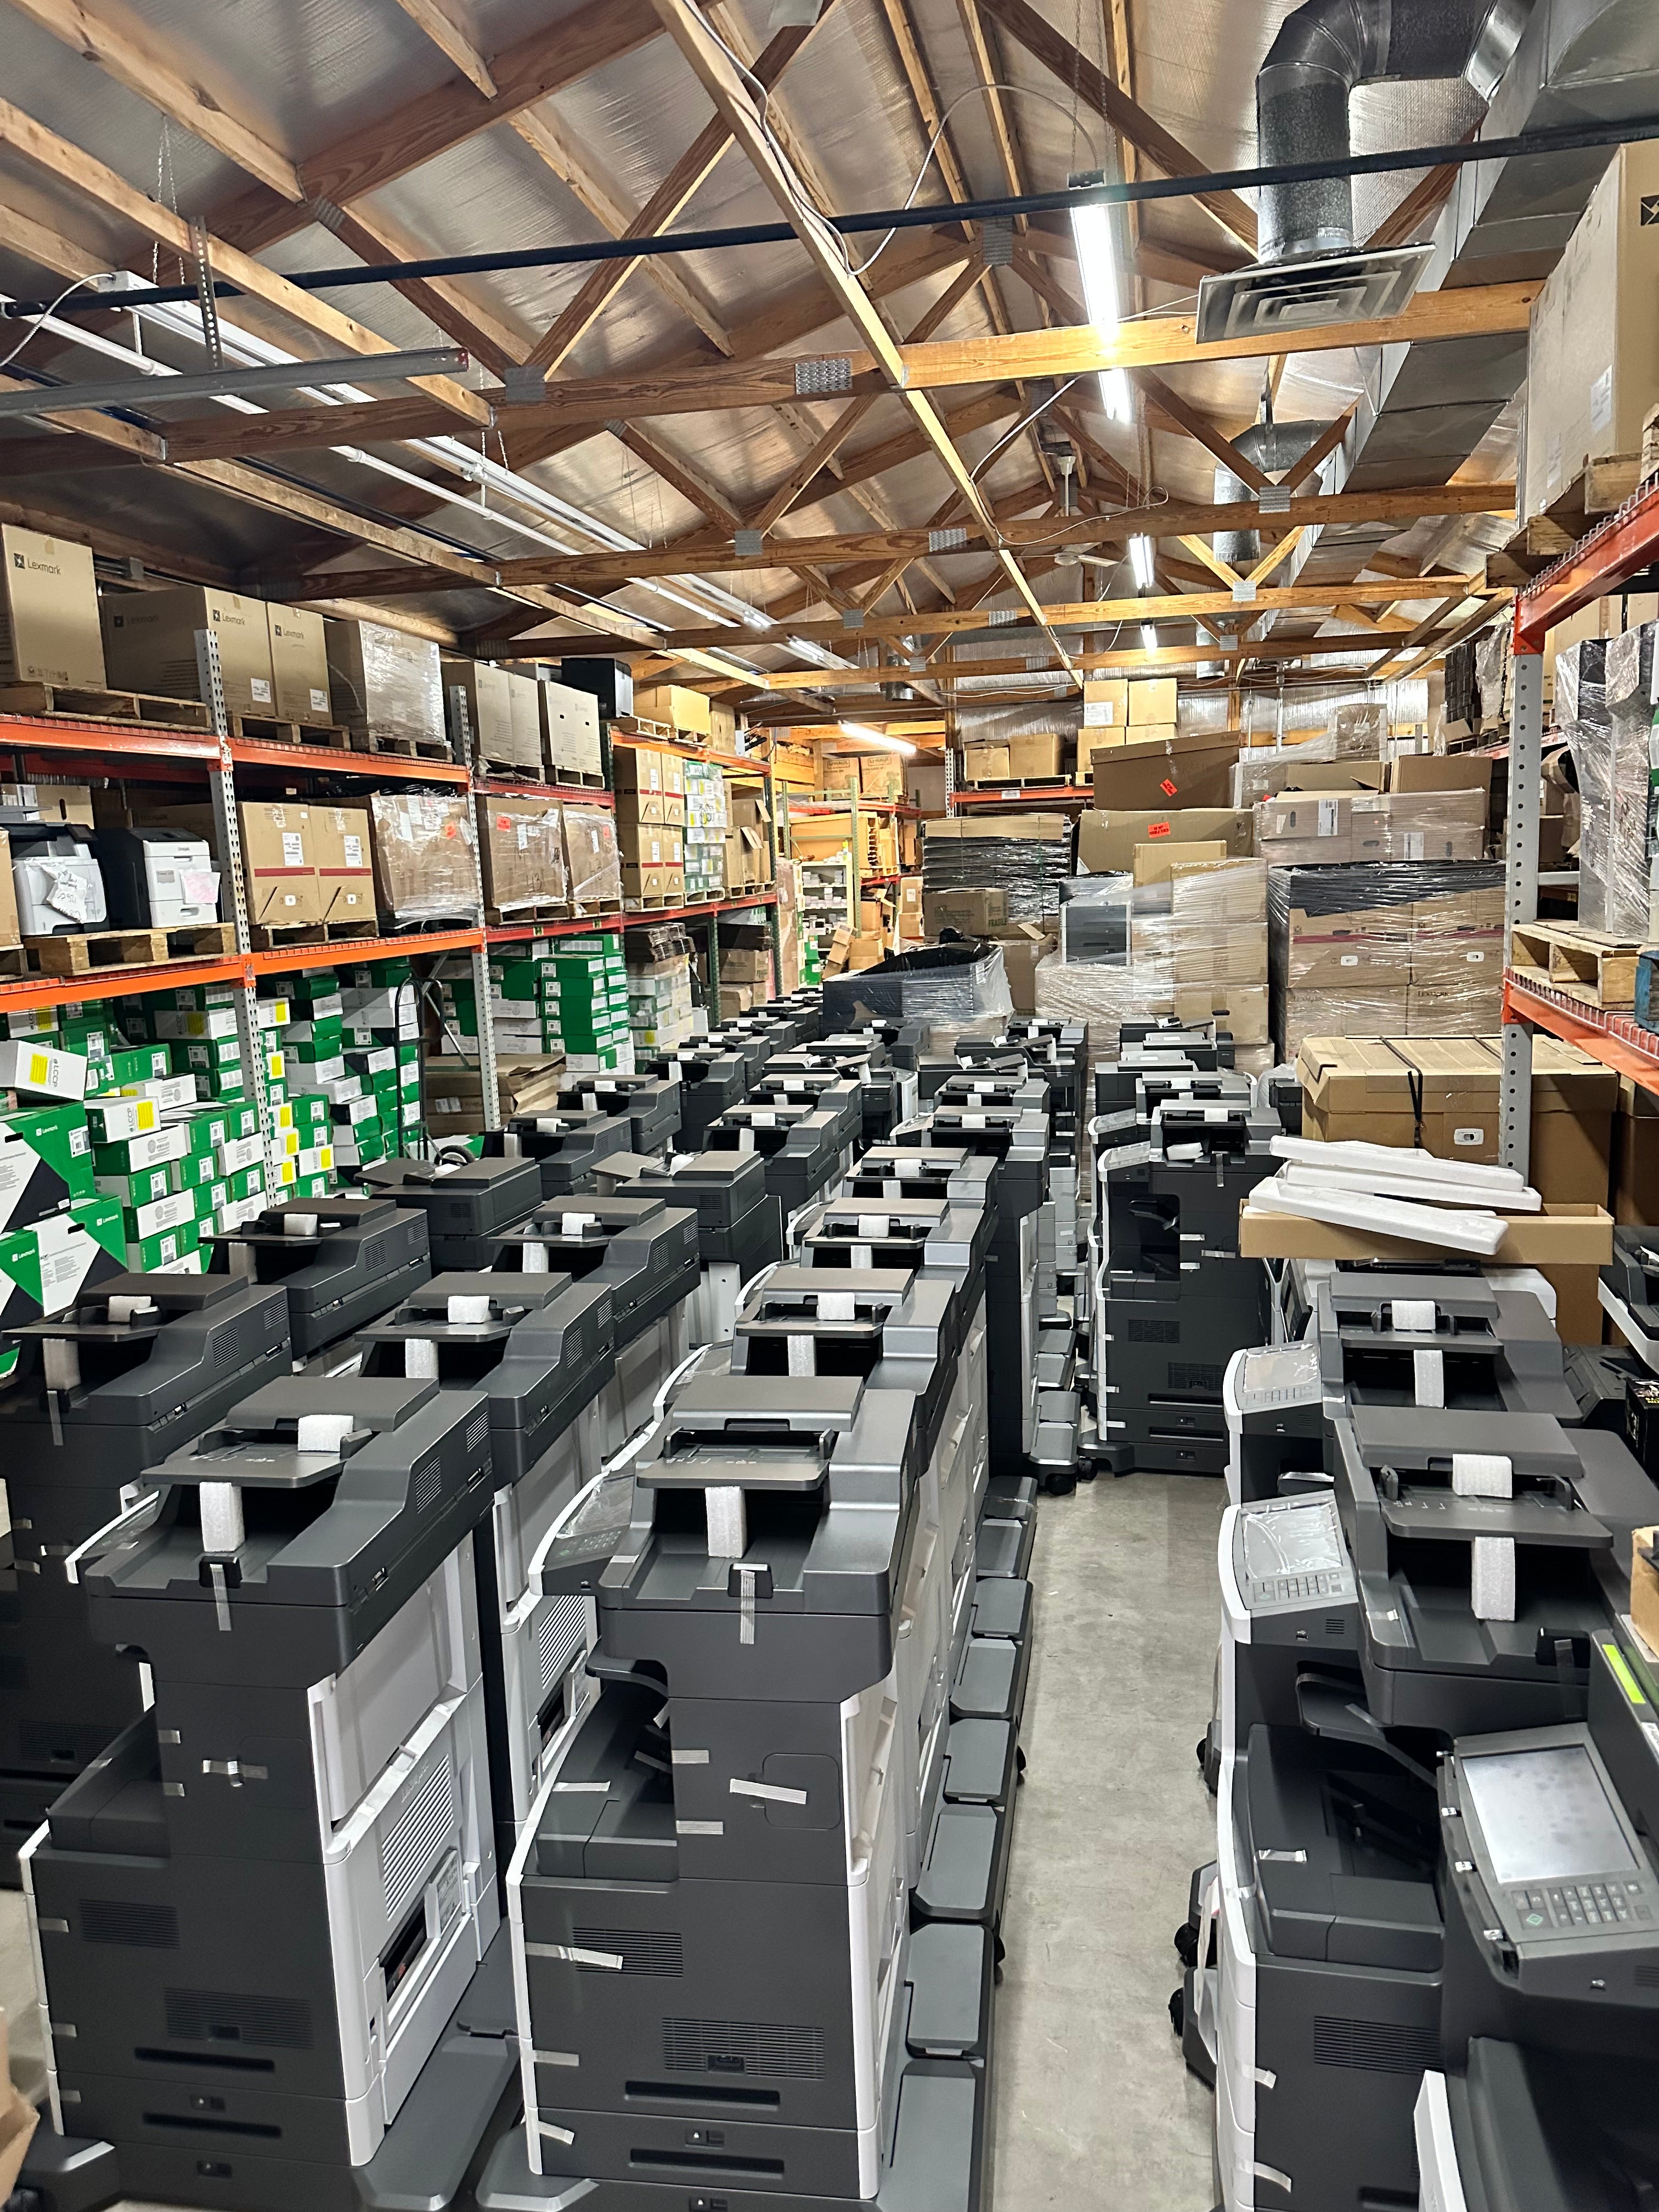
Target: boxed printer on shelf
{"x":425,"y":862}
{"x":149,"y":644}
{"x":387,"y":686}
{"x":49,"y":625}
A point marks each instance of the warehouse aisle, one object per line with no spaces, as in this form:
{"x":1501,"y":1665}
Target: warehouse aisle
{"x":1095,"y":2111}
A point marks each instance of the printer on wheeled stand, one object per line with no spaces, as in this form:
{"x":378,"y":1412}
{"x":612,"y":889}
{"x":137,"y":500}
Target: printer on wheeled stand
{"x":101,"y":1394}
{"x":257,"y":1918}
{"x":340,"y":1261}
{"x":466,"y":1202}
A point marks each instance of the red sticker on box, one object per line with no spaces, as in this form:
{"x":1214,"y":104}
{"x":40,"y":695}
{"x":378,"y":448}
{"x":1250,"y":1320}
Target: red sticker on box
{"x":1168,"y":788}
{"x":1158,"y":829}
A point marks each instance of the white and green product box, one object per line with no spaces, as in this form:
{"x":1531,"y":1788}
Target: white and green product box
{"x":211,"y":1053}
{"x":168,"y":1249}
{"x":41,"y":1070}
{"x":92,"y":1038}
{"x":112,"y":1120}
{"x":141,"y":1187}
{"x":315,"y":1185}
{"x":46,"y":1160}
{"x":247,"y":1182}
{"x":140,"y":1222}
{"x":140,"y":1063}
{"x":210,"y":1199}
{"x":154,"y":1149}
{"x":163,"y":1090}
{"x":315,"y":1160}
{"x":237,"y":1153}
{"x":34,"y":1022}
{"x":178,"y":1025}
{"x":196,"y":998}
{"x":43,"y":1268}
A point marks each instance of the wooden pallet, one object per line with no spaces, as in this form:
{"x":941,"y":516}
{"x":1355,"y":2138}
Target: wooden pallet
{"x":433,"y":749}
{"x":269,"y":729}
{"x":78,"y":953}
{"x":578,"y":779}
{"x":522,"y":917}
{"x":510,"y":771}
{"x":1589,"y":964}
{"x":266,"y":939}
{"x":72,"y":703}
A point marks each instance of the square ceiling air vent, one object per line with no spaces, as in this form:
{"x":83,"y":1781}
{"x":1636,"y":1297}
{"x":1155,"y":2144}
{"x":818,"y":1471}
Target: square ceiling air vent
{"x":1265,"y":302}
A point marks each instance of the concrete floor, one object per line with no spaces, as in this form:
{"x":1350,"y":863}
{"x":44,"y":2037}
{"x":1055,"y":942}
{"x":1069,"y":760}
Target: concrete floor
{"x":1095,"y":2111}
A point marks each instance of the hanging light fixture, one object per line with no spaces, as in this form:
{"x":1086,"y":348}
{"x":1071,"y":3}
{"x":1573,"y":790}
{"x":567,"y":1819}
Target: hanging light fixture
{"x":1095,"y":232}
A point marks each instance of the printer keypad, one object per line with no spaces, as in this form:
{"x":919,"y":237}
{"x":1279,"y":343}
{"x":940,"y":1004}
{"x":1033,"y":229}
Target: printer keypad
{"x":1583,"y":1904}
{"x":1285,"y":1590}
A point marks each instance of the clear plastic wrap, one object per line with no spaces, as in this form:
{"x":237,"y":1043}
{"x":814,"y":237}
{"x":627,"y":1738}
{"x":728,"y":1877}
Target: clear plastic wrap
{"x":1321,"y":828}
{"x":387,"y":686}
{"x":1196,"y":946}
{"x":521,"y":845}
{"x":965,"y":983}
{"x":1631,"y":661}
{"x":1263,"y":769}
{"x":1580,"y":709}
{"x":1027,"y":855}
{"x":425,"y":858}
{"x":1360,"y":731}
{"x":594,"y":861}
{"x":1385,"y":949}
{"x":1491,"y":673}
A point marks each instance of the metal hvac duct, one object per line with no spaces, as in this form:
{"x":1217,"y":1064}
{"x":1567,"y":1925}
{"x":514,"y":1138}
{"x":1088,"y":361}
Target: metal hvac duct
{"x":1323,"y":53}
{"x":1275,"y":447}
{"x":1311,"y":268}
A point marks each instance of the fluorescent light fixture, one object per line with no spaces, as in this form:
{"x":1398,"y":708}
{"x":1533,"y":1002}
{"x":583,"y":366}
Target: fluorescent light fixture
{"x":1094,"y":234}
{"x":215,"y":383}
{"x":866,"y":736}
{"x":1148,"y":638}
{"x":1140,"y":560}
{"x":815,"y":654}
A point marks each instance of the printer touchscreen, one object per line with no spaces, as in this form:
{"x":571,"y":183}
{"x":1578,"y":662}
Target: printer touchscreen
{"x":1545,"y":1814}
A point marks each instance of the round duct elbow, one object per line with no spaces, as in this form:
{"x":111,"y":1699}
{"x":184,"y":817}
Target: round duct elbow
{"x":1274,"y":448}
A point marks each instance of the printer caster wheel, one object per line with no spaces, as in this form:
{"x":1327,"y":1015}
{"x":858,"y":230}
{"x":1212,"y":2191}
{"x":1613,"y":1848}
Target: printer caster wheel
{"x":1178,"y":2013}
{"x":1186,"y":1944}
{"x":1019,"y":1762}
{"x":1061,"y":1484}
{"x":999,"y":1952}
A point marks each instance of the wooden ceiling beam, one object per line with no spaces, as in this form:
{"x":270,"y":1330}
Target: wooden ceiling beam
{"x":686,"y":177}
{"x":98,"y":183}
{"x":115,"y":36}
{"x":378,"y":150}
{"x":369,"y":232}
{"x":734,"y":102}
{"x":1196,"y":425}
{"x":546,"y":136}
{"x":1085,"y":80}
{"x":443,"y":26}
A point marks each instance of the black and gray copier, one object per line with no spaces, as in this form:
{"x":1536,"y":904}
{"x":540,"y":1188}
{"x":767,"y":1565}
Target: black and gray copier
{"x":739,"y":1226}
{"x":101,"y":1394}
{"x":256,"y":1916}
{"x":340,"y":1261}
{"x":652,"y":1103}
{"x":568,"y":1146}
{"x":711,"y":1078}
{"x":466,"y":1202}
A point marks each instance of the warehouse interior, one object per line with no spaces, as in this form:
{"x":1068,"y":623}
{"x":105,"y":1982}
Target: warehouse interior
{"x":829,"y":1368}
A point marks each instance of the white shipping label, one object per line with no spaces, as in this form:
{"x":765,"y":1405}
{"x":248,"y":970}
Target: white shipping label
{"x":1601,"y":401}
{"x":1474,"y":958}
{"x":353,"y":848}
{"x":258,"y":690}
{"x":293,"y":849}
{"x":319,"y":701}
{"x":1413,"y":844}
{"x":1328,"y":810}
{"x":1348,"y":959}
{"x":1469,"y":1137}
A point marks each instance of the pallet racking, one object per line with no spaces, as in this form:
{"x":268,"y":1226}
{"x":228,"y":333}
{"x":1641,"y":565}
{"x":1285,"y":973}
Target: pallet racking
{"x":1624,"y":546}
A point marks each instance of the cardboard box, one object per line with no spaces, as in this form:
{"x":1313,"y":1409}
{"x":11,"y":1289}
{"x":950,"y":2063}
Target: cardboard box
{"x":1593,"y":364}
{"x":1305,"y":829}
{"x":1350,"y":1011}
{"x":865,"y":950}
{"x":484,"y":693}
{"x":1443,"y":772}
{"x":1153,"y":861}
{"x":1151,"y":702}
{"x":1455,"y":959}
{"x":987,"y":764}
{"x":1365,"y":948}
{"x":49,"y":625}
{"x":1026,"y":943}
{"x":279,"y":863}
{"x":649,"y":844}
{"x":1239,"y":1008}
{"x":1107,"y":840}
{"x":342,"y":851}
{"x":674,"y":705}
{"x":1559,"y":1237}
{"x":1031,"y":759}
{"x":1172,"y":772}
{"x":299,"y":664}
{"x":570,"y":729}
{"x":521,"y":848}
{"x":387,"y":686}
{"x":1105,"y":704}
{"x":149,"y":644}
{"x":881,"y":776}
{"x":425,"y":857}
{"x":971,"y":913}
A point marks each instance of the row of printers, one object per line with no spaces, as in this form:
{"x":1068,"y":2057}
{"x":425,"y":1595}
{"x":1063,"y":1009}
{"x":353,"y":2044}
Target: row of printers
{"x":1423,"y":1968}
{"x":513,"y":1678}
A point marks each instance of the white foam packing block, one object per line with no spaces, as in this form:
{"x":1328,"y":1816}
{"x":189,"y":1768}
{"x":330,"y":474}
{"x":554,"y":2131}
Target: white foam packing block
{"x":1428,"y":1377}
{"x":837,"y":1305}
{"x":1415,"y":1317}
{"x":1317,"y":1175}
{"x":1491,"y":1578}
{"x":1482,"y":1474}
{"x":1444,"y":1227}
{"x":469,"y":1312}
{"x":321,"y":1432}
{"x":420,"y":1359}
{"x":1395,"y":1159}
{"x":301,"y":1224}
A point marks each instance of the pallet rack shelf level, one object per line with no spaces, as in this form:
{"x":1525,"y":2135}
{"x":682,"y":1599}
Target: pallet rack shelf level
{"x":1623,"y":546}
{"x":1615,"y":1040}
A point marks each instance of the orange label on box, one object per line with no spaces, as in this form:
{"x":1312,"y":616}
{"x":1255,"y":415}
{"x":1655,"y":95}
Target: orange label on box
{"x":1168,"y":788}
{"x":1158,"y":829}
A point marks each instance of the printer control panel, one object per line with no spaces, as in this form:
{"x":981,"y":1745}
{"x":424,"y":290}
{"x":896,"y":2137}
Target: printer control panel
{"x":1288,"y":1553}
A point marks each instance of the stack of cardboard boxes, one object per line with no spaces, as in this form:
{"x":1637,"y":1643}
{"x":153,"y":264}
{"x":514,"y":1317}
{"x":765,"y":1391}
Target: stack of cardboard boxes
{"x":660,"y":988}
{"x":685,"y":712}
{"x":521,"y":847}
{"x":1016,"y":760}
{"x":1117,"y":712}
{"x":1321,"y":828}
{"x":748,"y":847}
{"x":495,"y":718}
{"x":746,"y":967}
{"x":651,"y":825}
{"x":1409,"y":950}
{"x":708,"y":819}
